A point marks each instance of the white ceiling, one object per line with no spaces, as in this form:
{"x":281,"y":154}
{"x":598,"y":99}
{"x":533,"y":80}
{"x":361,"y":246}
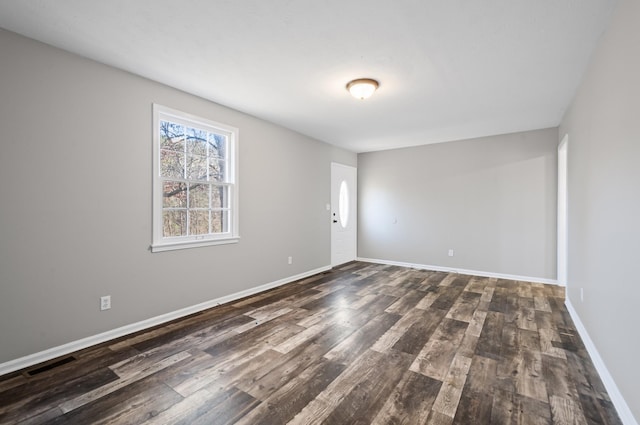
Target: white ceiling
{"x":448,"y":69}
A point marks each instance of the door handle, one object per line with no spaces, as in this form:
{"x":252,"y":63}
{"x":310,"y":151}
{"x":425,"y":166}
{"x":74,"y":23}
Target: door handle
{"x":335,"y":221}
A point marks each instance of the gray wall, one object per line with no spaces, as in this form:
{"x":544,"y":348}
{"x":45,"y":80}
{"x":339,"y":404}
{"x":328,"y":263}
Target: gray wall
{"x":75,"y":216}
{"x":603,"y":124}
{"x":492,"y":200}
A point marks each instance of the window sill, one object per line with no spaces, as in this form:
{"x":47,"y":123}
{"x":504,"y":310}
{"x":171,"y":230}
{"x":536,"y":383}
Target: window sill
{"x":172,"y":246}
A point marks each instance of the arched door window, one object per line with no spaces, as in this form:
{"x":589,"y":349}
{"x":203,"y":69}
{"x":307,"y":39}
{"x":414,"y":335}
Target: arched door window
{"x":343,"y":204}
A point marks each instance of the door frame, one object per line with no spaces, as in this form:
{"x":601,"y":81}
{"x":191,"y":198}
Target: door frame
{"x":562,"y":216}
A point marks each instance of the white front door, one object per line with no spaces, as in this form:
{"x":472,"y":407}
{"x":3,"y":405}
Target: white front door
{"x":344,"y":213}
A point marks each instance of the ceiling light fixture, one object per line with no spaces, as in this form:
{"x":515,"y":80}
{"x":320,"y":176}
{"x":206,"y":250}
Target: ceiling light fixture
{"x":362,"y":88}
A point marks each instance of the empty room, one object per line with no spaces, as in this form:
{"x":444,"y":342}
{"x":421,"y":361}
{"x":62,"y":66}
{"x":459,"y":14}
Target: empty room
{"x":331,"y":212}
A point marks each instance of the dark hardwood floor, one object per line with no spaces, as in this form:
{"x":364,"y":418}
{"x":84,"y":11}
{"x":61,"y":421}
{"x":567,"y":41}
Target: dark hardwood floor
{"x":363,"y":344}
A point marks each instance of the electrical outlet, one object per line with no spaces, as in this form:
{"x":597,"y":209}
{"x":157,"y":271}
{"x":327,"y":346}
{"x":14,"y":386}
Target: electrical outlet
{"x":105,"y":302}
{"x":451,"y":253}
{"x":290,"y":260}
{"x":581,"y":294}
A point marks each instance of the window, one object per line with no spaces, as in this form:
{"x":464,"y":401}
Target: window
{"x":343,"y":204}
{"x":195,"y":184}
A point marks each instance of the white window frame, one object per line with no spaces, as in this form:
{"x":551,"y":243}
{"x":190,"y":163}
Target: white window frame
{"x":161,"y":243}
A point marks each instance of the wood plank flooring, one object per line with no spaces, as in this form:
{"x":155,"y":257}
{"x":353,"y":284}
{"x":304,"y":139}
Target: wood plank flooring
{"x":362,"y":344}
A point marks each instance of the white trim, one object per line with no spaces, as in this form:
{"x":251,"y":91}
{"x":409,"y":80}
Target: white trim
{"x":562,"y":237}
{"x":61,"y":350}
{"x":461,"y":271}
{"x":192,"y":244}
{"x":612,"y":389}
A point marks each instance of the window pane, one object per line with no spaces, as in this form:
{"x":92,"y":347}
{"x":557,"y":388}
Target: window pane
{"x":217,"y":170}
{"x":171,"y":136}
{"x":196,"y":141}
{"x":174,"y":223}
{"x":171,"y":164}
{"x":219,"y":221}
{"x":219,"y":197}
{"x":198,"y":222}
{"x":196,"y":167}
{"x":174,"y":195}
{"x":199,"y":196}
{"x":343,"y":204}
{"x":217,"y":145}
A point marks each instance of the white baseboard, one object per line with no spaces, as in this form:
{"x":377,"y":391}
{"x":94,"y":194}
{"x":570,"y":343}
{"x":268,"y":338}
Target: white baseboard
{"x":612,"y":389}
{"x":61,"y":350}
{"x":461,"y":271}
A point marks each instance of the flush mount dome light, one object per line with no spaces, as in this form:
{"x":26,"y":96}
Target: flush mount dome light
{"x":362,"y":88}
